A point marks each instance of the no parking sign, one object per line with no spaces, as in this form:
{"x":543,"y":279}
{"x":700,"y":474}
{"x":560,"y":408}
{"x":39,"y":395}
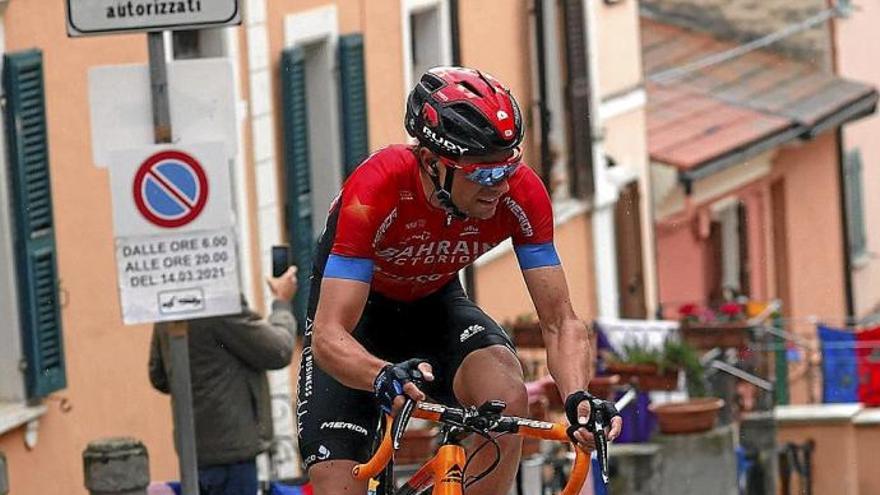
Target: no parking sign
{"x":175,"y":233}
{"x":170,"y":189}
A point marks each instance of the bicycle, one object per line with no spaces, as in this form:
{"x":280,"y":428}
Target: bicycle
{"x":444,"y":473}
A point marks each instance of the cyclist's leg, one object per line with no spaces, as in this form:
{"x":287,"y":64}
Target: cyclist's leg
{"x":483,"y":366}
{"x":486,"y":374}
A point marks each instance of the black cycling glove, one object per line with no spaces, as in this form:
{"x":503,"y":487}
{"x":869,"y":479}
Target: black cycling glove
{"x":390,"y":381}
{"x":601,"y":410}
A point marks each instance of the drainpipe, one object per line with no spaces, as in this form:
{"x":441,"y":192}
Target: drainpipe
{"x":543,"y":112}
{"x":844,"y":220}
{"x":844,"y":9}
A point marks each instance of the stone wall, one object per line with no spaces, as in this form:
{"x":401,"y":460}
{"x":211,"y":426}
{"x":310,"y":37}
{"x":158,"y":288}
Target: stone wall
{"x":745,"y":20}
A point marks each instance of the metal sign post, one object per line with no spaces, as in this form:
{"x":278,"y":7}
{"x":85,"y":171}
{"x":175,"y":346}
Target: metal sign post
{"x":181,"y":381}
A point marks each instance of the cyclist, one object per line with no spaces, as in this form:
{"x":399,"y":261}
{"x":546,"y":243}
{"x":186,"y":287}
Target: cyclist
{"x":386,"y":305}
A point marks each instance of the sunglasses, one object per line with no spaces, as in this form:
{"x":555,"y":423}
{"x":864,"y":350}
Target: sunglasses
{"x":491,"y":173}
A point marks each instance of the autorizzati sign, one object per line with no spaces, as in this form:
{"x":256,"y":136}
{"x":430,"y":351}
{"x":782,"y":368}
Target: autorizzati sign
{"x":94,"y":17}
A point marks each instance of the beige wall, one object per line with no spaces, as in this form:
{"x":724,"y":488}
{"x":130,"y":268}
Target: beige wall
{"x":106,"y":361}
{"x":867,"y":440}
{"x":813,"y":227}
{"x":619,"y":50}
{"x":502,"y":293}
{"x":835,"y":460}
{"x":857,"y":59}
{"x":814,"y":233}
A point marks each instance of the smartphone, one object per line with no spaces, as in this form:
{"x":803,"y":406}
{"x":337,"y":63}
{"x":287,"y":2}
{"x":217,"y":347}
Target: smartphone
{"x":280,"y":260}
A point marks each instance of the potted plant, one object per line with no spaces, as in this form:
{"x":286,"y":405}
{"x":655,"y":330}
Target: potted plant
{"x":697,"y":414}
{"x":681,"y":355}
{"x":705,"y":328}
{"x":644,"y":366}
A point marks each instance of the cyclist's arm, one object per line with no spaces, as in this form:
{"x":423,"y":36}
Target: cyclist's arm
{"x":569,"y":355}
{"x":340,"y":307}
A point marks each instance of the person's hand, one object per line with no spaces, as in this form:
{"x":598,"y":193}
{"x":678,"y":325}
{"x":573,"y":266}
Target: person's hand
{"x":398,"y":381}
{"x":578,"y":409}
{"x":284,"y":287}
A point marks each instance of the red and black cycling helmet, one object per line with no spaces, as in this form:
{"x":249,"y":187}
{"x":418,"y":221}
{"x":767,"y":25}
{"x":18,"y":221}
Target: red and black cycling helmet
{"x":456,"y":112}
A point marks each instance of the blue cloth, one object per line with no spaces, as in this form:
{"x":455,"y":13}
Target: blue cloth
{"x":599,"y":487}
{"x":276,"y":488}
{"x":229,"y":479}
{"x":638,"y":422}
{"x":536,"y":255}
{"x":349,"y":268}
{"x":839,"y":365}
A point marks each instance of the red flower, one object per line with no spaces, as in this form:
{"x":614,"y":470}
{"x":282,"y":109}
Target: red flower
{"x":687,"y":310}
{"x":730,"y":309}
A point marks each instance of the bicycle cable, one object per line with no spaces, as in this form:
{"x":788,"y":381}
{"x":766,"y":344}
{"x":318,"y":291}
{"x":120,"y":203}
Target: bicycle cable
{"x":489,"y":439}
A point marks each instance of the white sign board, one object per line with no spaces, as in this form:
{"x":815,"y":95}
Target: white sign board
{"x":93,"y":17}
{"x":201,"y":97}
{"x":175,"y":238}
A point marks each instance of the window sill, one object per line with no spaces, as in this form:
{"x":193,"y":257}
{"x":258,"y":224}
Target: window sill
{"x":15,"y":414}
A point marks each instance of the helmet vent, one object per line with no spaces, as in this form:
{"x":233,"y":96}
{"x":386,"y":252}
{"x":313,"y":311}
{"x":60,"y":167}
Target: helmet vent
{"x":467,"y":86}
{"x":432,"y":82}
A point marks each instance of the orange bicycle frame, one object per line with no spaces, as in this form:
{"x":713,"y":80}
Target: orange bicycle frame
{"x":446,"y":467}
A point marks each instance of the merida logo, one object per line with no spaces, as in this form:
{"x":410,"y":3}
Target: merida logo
{"x":453,"y":475}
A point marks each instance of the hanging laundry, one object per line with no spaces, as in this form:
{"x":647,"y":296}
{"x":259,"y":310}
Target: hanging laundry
{"x":839,"y":368}
{"x":868,"y":352}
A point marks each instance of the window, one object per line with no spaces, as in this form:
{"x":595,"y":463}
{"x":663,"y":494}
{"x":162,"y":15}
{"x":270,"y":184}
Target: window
{"x":426,"y":38}
{"x":728,"y":250}
{"x":855,"y":210}
{"x":325,"y":128}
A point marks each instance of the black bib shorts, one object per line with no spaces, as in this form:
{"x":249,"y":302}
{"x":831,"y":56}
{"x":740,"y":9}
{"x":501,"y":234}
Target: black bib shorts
{"x":336,"y":422}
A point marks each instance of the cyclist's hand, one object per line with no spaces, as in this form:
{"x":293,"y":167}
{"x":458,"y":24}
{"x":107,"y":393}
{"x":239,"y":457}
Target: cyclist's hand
{"x":397,"y":381}
{"x":582,"y":417}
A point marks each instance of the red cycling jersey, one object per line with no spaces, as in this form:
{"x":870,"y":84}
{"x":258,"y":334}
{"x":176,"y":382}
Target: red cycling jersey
{"x":407,"y":248}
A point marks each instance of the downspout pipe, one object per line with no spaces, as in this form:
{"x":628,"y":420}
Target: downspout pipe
{"x":543,"y":111}
{"x":844,"y":10}
{"x":844,"y":220}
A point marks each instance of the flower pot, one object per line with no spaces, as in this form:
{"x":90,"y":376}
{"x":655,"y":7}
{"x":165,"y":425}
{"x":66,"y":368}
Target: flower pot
{"x":645,"y":377}
{"x":707,"y":336}
{"x":693,"y":416}
{"x":416,"y":446}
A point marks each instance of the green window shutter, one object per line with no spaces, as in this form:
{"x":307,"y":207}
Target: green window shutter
{"x":298,"y":207}
{"x":855,"y":204}
{"x":355,"y":145}
{"x":36,"y":262}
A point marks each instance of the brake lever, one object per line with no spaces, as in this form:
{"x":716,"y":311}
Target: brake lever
{"x":401,"y":420}
{"x":597,"y":427}
{"x":601,"y":448}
